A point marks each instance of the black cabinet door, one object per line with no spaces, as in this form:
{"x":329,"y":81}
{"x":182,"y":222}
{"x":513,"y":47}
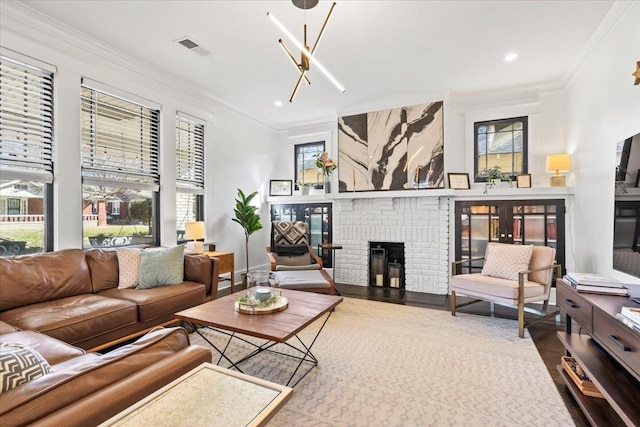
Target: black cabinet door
{"x":525,"y":222}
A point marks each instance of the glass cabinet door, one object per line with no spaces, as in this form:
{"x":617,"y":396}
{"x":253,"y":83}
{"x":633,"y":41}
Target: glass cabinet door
{"x":478,"y":225}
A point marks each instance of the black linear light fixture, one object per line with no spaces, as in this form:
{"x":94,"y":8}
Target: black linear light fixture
{"x":306,"y":55}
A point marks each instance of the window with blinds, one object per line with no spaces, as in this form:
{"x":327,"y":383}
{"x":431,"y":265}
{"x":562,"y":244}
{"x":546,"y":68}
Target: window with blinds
{"x":189,"y":155}
{"x":119,"y":142}
{"x":26,"y":122}
{"x":26,"y":157}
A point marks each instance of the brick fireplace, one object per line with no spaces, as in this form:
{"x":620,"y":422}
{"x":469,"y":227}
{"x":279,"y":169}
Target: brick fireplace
{"x":422,"y":223}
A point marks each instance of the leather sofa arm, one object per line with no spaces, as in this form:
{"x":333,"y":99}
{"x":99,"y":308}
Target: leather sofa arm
{"x":199,"y":268}
{"x":110,"y":401}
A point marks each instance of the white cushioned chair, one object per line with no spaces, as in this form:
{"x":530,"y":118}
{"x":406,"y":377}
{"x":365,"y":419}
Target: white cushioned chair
{"x":290,"y":249}
{"x":512,"y":275}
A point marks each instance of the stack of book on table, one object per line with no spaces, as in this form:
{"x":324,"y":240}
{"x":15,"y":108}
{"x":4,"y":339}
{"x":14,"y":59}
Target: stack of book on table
{"x":596,"y":284}
{"x":630,"y":316}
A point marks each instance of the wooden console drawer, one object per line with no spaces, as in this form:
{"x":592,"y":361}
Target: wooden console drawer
{"x":618,"y":338}
{"x":575,"y":306}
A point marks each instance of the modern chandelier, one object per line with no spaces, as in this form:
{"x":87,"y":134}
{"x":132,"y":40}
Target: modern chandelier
{"x":306,"y":55}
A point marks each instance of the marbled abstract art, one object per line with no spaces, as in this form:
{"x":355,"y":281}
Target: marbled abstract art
{"x":396,"y":149}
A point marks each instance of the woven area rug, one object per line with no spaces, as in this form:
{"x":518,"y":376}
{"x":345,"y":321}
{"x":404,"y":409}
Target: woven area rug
{"x":385,"y":364}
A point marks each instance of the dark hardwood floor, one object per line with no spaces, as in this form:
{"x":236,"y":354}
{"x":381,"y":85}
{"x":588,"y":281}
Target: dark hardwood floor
{"x":543,"y":333}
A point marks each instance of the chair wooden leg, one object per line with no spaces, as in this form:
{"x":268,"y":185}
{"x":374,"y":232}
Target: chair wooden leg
{"x":545,"y":306}
{"x":521,"y":319}
{"x":453,"y":303}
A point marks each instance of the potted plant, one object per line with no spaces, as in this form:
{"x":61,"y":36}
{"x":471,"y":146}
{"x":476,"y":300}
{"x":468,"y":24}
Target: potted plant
{"x":495,"y":175}
{"x":305,"y":187}
{"x":246,"y":215}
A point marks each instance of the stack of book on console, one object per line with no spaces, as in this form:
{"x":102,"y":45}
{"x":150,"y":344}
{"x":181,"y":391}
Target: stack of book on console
{"x":630,"y":316}
{"x":596,"y":284}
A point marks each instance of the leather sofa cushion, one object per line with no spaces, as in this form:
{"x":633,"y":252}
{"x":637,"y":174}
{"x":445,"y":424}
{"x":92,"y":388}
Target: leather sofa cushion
{"x":103,"y":265}
{"x":74,"y":319}
{"x":89,"y":374}
{"x":53,"y":350}
{"x":160,"y":301}
{"x":30,"y":279}
{"x":6,"y":328}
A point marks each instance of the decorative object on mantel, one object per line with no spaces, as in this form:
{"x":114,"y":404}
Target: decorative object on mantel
{"x":557,"y":163}
{"x":280,"y":187}
{"x":637,"y":74}
{"x":494,"y":175}
{"x":395,"y":149}
{"x":523,"y":180}
{"x":326,"y":166}
{"x":305,"y":187}
{"x":459,"y":181}
{"x":306,"y":54}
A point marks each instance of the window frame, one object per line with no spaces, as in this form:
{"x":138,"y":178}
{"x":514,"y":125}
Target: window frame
{"x":42,"y":171}
{"x":148,"y":150}
{"x":525,"y":149}
{"x":297,"y":149}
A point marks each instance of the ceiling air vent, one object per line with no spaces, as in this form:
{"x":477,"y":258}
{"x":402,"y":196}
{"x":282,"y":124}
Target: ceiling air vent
{"x":193,"y":46}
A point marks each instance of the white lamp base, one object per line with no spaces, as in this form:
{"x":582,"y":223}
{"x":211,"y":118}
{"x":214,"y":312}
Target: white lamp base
{"x":558,"y":181}
{"x":194,"y":247}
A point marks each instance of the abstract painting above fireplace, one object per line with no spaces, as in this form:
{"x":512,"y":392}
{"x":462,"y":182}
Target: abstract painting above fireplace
{"x":395,"y":149}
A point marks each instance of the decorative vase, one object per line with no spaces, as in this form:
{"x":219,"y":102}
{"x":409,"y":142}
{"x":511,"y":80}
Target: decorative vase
{"x":327,"y":184}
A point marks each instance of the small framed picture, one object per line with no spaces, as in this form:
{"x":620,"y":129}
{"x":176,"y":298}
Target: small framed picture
{"x":280,"y":187}
{"x":523,"y":181}
{"x":459,"y":181}
{"x":638,"y":179}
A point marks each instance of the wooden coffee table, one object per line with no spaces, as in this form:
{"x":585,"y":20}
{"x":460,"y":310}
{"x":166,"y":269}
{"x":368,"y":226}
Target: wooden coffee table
{"x":276,"y":328}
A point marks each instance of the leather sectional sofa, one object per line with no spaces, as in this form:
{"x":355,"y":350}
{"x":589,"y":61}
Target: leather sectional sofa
{"x":85,"y":389}
{"x":73,"y":295}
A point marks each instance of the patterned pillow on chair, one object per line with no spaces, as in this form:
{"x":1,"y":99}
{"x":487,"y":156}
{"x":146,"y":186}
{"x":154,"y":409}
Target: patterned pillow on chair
{"x":505,"y":260}
{"x":19,"y":365}
{"x":290,"y":237}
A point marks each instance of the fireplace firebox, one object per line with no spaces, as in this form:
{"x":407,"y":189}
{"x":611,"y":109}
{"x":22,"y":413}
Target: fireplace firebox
{"x":386,"y":265}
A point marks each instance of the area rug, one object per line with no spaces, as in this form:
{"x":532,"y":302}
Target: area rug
{"x":386,"y":364}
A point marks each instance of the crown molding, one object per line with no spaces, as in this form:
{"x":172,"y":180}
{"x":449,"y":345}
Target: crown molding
{"x":24,"y":21}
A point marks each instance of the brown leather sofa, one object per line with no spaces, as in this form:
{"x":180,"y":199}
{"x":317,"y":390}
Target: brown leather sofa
{"x":73,"y":295}
{"x":85,"y":389}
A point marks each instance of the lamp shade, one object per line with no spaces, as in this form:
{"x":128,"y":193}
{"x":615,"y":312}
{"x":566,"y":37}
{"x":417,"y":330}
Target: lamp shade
{"x":194,"y":230}
{"x":557,"y":163}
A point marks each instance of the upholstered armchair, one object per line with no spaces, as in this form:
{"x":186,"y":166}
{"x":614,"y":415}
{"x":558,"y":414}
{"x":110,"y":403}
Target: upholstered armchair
{"x":512,"y":275}
{"x":290,"y":249}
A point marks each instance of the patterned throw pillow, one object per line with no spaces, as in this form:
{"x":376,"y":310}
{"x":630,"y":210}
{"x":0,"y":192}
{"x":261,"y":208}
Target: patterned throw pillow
{"x":19,"y":365}
{"x":128,"y":267}
{"x":506,"y":261}
{"x":161,"y":267}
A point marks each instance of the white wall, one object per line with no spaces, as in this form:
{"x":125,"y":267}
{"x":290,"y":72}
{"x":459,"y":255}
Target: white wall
{"x":603,"y":108}
{"x":238,"y":151}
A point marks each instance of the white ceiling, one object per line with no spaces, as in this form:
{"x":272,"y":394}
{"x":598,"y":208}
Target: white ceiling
{"x":385,"y":53}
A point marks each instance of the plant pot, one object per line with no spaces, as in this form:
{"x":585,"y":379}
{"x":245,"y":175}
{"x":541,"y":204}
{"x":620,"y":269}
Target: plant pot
{"x":304,"y":190}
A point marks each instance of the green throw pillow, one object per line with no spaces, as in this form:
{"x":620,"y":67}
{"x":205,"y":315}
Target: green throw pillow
{"x":161,"y":267}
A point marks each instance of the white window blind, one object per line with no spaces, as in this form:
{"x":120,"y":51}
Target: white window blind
{"x":189,"y":155}
{"x":26,"y":122}
{"x":119,"y":142}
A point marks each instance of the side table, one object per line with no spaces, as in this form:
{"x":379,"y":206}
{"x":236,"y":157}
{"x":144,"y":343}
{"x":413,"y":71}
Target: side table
{"x":227,"y":265}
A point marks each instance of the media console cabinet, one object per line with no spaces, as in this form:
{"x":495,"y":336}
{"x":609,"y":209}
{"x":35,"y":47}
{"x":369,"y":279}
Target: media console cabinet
{"x":607,"y":350}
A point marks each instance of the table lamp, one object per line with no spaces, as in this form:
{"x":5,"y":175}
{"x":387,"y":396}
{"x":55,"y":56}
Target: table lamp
{"x":557,"y":163}
{"x":195,"y":231}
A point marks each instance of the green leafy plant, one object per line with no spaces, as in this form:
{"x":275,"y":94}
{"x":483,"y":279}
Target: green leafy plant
{"x":246,"y":215}
{"x":494,"y":174}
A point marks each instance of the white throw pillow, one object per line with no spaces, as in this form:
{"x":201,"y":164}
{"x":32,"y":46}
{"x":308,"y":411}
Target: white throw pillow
{"x":128,"y":267}
{"x":506,"y":261}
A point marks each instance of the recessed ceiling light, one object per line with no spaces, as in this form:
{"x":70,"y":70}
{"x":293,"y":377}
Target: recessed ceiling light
{"x":510,"y":57}
{"x":278,"y":103}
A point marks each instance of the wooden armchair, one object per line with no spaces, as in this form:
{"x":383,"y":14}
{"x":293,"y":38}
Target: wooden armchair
{"x":290,"y":249}
{"x":512,"y":275}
